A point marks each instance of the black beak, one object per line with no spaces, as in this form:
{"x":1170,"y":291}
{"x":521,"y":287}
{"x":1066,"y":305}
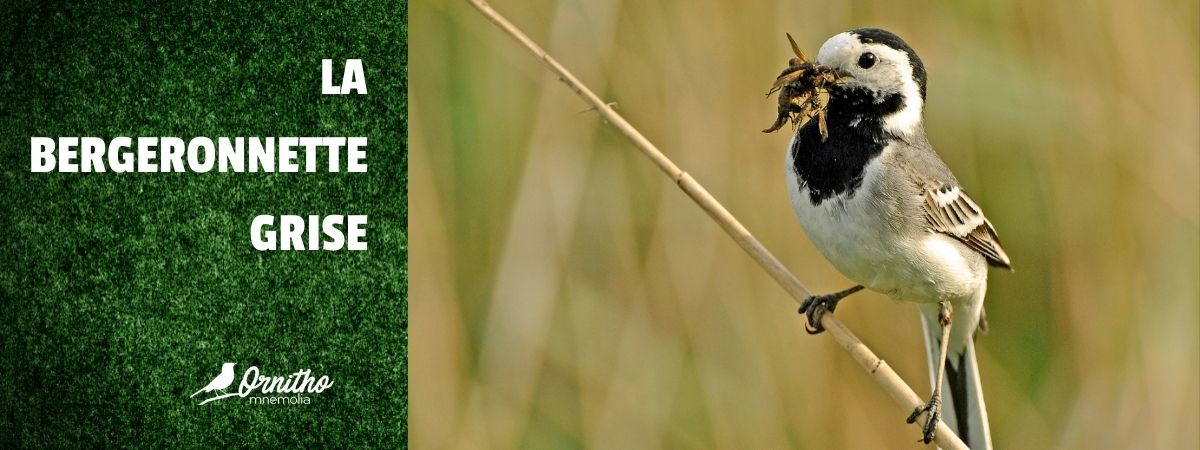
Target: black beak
{"x":837,"y":73}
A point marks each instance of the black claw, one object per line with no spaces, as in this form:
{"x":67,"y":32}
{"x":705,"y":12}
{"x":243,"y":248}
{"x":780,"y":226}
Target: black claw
{"x":929,"y":429}
{"x":915,"y":414}
{"x":816,"y":306}
{"x":931,"y":426}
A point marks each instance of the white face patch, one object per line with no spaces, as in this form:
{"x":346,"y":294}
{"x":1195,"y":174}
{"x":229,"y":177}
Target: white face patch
{"x":892,"y":73}
{"x":834,"y":50}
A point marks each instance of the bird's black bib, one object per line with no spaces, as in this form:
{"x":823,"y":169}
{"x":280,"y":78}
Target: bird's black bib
{"x":856,"y":136}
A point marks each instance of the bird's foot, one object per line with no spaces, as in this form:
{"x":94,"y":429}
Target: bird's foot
{"x":933,"y":411}
{"x":816,"y":306}
{"x":945,"y":314}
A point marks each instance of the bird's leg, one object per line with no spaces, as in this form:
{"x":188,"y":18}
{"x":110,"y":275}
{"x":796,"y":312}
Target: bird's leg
{"x":934,"y":407}
{"x":816,"y":306}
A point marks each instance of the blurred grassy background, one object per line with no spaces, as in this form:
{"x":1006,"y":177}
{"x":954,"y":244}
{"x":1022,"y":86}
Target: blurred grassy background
{"x":566,"y":295}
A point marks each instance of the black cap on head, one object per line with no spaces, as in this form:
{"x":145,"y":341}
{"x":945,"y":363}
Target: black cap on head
{"x":879,"y":36}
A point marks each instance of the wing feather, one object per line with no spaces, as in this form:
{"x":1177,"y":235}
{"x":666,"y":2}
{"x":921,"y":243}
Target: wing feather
{"x":950,"y":211}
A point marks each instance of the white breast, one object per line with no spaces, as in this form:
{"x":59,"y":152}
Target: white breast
{"x":853,"y":234}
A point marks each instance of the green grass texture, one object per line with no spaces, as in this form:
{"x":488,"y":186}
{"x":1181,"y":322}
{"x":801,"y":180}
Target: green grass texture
{"x":122,"y":294}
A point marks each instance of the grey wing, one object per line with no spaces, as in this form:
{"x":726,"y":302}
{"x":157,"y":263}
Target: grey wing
{"x":950,"y":211}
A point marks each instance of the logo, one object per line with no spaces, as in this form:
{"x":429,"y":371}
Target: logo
{"x":298,"y":385}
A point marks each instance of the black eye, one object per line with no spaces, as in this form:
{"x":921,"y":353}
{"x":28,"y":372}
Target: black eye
{"x":866,"y":60}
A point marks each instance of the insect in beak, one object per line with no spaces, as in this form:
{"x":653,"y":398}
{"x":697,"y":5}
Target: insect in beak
{"x":802,"y":93}
{"x":800,"y":57}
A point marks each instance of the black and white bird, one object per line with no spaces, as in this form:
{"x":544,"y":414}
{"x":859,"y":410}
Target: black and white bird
{"x":882,"y":207}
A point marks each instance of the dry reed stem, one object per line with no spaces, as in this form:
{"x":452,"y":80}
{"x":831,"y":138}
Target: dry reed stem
{"x":877,"y":368}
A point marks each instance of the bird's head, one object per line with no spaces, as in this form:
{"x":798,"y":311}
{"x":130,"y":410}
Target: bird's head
{"x":227,"y":365}
{"x":882,"y":64}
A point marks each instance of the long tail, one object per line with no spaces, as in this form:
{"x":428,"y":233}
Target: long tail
{"x":963,"y":408}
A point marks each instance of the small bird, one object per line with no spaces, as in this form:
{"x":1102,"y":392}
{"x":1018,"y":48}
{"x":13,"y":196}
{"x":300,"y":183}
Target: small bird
{"x":882,"y":207}
{"x":221,"y":382}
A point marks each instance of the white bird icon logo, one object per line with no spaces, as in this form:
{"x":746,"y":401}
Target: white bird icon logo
{"x":221,"y":382}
